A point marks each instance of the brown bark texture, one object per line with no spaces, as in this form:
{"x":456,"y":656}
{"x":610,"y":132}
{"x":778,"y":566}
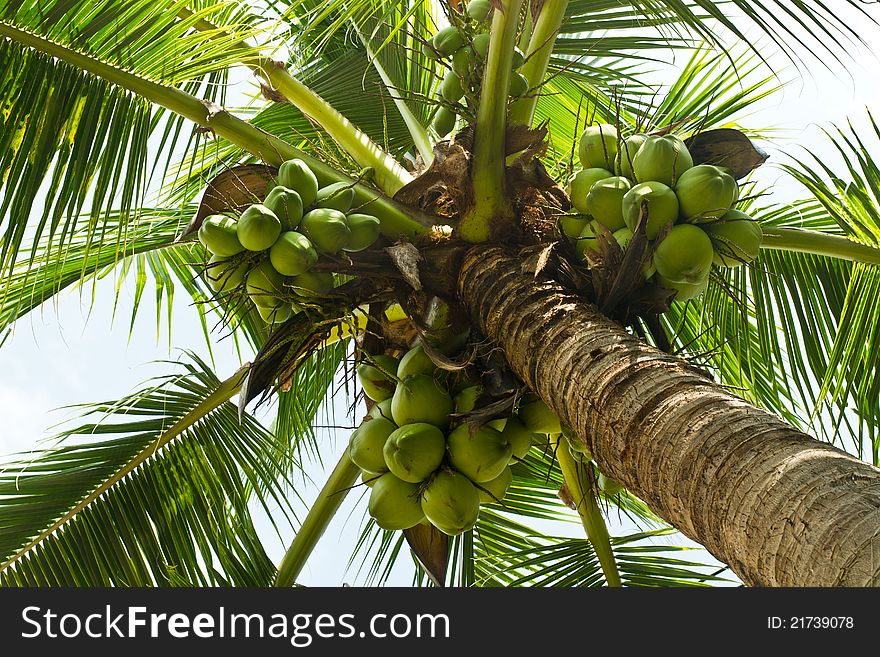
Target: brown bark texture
{"x":781,"y":508}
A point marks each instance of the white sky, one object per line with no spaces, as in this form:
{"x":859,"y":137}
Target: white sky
{"x":55,"y":358}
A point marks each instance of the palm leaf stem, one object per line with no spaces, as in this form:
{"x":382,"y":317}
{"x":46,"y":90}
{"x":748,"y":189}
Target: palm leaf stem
{"x":817,"y":243}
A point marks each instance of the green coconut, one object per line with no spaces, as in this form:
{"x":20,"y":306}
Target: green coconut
{"x":224,"y":275}
{"x":296,"y":175}
{"x":480,"y":453}
{"x":466,"y":400}
{"x":627,"y":151}
{"x":684,"y":255}
{"x":336,"y":196}
{"x":623,"y":237}
{"x":312,"y":284}
{"x":364,"y":230}
{"x":395,"y":504}
{"x":327,"y":229}
{"x":447,"y":41}
{"x":605,"y":201}
{"x":264,"y":285}
{"x":414,"y":451}
{"x":369,"y":478}
{"x":444,"y":121}
{"x":276,"y":314}
{"x":537,"y":416}
{"x":496,"y":489}
{"x":451,"y":89}
{"x":415,"y":361}
{"x":463,"y":62}
{"x":580,"y":186}
{"x":421,"y":399}
{"x":479,"y":10}
{"x":519,"y":85}
{"x":292,"y":254}
{"x":451,"y":502}
{"x":219,"y":234}
{"x":736,"y":239}
{"x":609,"y":486}
{"x":287,"y":205}
{"x":519,"y":436}
{"x":519,"y":58}
{"x":662,"y":207}
{"x":480,"y":44}
{"x":598,"y":146}
{"x":498,"y":424}
{"x":705,"y":193}
{"x":662,"y":159}
{"x":382,"y":409}
{"x":377,"y":378}
{"x":573,"y":225}
{"x":587,"y":240}
{"x":367,"y":442}
{"x":258,"y":228}
{"x":685,"y":291}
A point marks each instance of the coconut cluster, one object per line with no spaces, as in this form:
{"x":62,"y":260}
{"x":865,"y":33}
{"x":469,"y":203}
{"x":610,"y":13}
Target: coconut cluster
{"x":466,"y":48}
{"x":422,"y":460}
{"x":691,"y":221}
{"x":269,"y":249}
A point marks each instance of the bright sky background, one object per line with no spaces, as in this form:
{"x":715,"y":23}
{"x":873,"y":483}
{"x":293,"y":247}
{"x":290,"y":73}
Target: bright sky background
{"x":72,"y":354}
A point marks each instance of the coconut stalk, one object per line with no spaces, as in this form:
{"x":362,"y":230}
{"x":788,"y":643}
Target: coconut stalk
{"x":488,"y":169}
{"x":540,"y":48}
{"x":389,"y":174}
{"x":396,"y":220}
{"x":816,"y":243}
{"x":321,"y":513}
{"x":587,"y":508}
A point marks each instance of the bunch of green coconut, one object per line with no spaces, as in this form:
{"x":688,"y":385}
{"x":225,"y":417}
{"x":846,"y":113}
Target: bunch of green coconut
{"x":466,"y":47}
{"x":691,"y":220}
{"x":267,"y":252}
{"x":424,"y":462}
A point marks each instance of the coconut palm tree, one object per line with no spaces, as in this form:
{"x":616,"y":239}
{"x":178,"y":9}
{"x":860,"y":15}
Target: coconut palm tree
{"x":121,"y":135}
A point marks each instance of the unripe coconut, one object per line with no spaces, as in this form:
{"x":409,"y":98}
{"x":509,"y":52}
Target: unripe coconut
{"x":684,"y":255}
{"x":537,"y":416}
{"x":598,"y":146}
{"x":579,"y":447}
{"x":480,"y":454}
{"x":662,"y":159}
{"x":327,"y":229}
{"x":609,"y":486}
{"x":369,"y":478}
{"x":377,"y":378}
{"x":447,"y":41}
{"x":462,"y":63}
{"x":496,"y":489}
{"x":736,"y":239}
{"x":685,"y":291}
{"x":363,"y":229}
{"x":224,"y":276}
{"x":605,"y":201}
{"x":466,"y":400}
{"x":415,"y":361}
{"x":519,"y":85}
{"x":451,"y":502}
{"x":414,"y":451}
{"x":480,"y":44}
{"x":580,"y":186}
{"x":519,"y":436}
{"x":292,"y":254}
{"x":219,"y":234}
{"x":337,"y":196}
{"x":444,"y":121}
{"x":395,"y":504}
{"x":498,"y":424}
{"x":587,"y":240}
{"x":312,"y":284}
{"x":287,"y":205}
{"x":367,"y":442}
{"x":258,"y":228}
{"x":479,"y":10}
{"x":705,"y":193}
{"x":265,"y":285}
{"x":623,"y":237}
{"x":627,"y":153}
{"x":277,"y":314}
{"x":451,"y":88}
{"x":573,"y":225}
{"x":421,"y":399}
{"x":662,"y":207}
{"x":519,"y":58}
{"x":382,"y":409}
{"x":296,"y":175}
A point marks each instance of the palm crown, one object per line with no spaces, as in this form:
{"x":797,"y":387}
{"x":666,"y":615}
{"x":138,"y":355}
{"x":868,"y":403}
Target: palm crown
{"x":104,"y":170}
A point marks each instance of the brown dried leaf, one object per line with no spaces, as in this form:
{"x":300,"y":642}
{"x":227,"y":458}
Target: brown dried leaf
{"x":431,"y":547}
{"x":406,"y":258}
{"x":726,"y":147}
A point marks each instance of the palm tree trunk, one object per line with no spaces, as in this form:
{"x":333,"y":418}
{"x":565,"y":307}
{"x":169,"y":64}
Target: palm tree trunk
{"x":779,"y":507}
